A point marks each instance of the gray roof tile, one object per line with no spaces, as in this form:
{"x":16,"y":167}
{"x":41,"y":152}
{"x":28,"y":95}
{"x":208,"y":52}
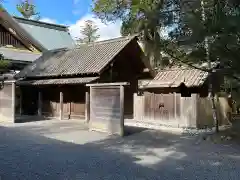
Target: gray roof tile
{"x":85,"y":59}
{"x":175,"y":77}
{"x":61,"y":81}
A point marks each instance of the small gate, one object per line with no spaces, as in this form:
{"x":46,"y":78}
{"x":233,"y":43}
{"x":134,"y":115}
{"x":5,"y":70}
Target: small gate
{"x":159,"y":108}
{"x":106,"y":108}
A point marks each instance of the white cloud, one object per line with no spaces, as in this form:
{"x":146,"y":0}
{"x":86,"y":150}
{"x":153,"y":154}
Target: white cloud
{"x":106,"y":31}
{"x":48,"y":20}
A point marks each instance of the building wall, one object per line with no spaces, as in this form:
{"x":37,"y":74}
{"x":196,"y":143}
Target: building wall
{"x":7,"y":38}
{"x":126,"y":67}
{"x":73,"y":101}
{"x":6,"y":103}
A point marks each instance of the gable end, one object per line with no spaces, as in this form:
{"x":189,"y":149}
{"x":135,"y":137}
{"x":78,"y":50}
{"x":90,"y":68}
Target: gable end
{"x":7,"y":39}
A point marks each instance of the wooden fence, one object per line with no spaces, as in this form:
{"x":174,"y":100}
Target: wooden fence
{"x":176,"y":111}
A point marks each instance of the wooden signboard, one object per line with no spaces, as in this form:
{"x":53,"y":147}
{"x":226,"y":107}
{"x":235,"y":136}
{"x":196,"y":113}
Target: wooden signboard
{"x":107,"y":109}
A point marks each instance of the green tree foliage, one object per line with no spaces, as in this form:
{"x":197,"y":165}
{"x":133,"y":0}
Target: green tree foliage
{"x":202,"y":30}
{"x":89,"y":32}
{"x":28,"y":10}
{"x":148,"y":17}
{"x":1,"y":8}
{"x":189,"y":31}
{"x":145,"y":17}
{"x":221,"y":27}
{"x":4,"y":64}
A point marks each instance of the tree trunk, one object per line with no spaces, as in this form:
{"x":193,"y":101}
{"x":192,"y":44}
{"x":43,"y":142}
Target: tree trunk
{"x":210,"y":90}
{"x":214,"y":109}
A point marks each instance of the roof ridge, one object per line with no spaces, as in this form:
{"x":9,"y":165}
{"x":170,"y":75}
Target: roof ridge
{"x":108,"y":41}
{"x":178,"y":68}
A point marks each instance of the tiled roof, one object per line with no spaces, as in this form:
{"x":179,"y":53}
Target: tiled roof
{"x":19,"y":55}
{"x":57,"y":81}
{"x":50,"y":36}
{"x":86,"y":59}
{"x":175,"y":77}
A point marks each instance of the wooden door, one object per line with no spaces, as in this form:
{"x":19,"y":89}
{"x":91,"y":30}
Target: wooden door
{"x":77,"y":110}
{"x":160,"y":107}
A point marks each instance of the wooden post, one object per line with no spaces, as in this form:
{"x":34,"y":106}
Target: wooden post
{"x":87,"y":107}
{"x":13,"y":101}
{"x":39,"y":103}
{"x":20,"y":102}
{"x":122,"y":109}
{"x":175,"y":105}
{"x":135,"y":105}
{"x":61,"y":106}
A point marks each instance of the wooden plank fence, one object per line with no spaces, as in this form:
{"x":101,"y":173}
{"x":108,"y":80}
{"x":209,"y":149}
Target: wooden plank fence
{"x":166,"y":109}
{"x":176,"y":111}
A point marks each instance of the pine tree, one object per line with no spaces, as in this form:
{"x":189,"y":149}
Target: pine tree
{"x":28,"y":10}
{"x":89,"y":32}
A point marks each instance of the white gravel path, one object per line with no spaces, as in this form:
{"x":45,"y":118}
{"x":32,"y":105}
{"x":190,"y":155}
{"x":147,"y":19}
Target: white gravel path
{"x":66,"y":150}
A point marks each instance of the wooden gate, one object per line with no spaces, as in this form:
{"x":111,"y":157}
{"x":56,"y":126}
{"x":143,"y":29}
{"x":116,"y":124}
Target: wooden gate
{"x":107,"y":108}
{"x":160,"y":108}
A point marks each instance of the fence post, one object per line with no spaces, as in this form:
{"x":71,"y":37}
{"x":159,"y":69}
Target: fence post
{"x":13,"y":101}
{"x":122,"y":109}
{"x":39,"y":103}
{"x":61,"y":106}
{"x":87,"y":107}
{"x":175,"y":105}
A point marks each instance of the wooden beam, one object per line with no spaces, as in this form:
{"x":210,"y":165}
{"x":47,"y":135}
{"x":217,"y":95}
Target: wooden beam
{"x":61,"y":106}
{"x":39,"y":103}
{"x":108,"y":84}
{"x":122,"y":110}
{"x":87,"y":107}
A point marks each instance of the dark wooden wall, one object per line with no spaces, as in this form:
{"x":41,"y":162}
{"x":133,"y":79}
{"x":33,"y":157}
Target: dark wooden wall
{"x":7,"y":38}
{"x":73,"y":101}
{"x":29,"y":100}
{"x":127,"y":66}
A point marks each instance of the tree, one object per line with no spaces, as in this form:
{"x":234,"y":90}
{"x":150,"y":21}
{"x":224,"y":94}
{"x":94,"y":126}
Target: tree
{"x":145,"y":17}
{"x":1,"y":8}
{"x":209,"y":28}
{"x":89,"y":32}
{"x":28,"y":10}
{"x":4,"y":64}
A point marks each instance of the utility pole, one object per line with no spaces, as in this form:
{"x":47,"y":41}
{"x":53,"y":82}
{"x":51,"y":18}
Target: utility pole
{"x":210,"y":86}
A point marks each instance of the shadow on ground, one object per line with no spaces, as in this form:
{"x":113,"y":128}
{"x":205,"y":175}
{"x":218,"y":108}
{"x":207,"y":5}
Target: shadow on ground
{"x":143,"y":154}
{"x":26,"y":119}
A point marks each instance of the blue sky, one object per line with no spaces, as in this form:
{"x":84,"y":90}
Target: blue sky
{"x":61,"y":10}
{"x":72,"y":13}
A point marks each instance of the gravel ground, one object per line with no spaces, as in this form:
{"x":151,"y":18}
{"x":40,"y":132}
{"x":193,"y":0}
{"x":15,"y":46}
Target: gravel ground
{"x":66,"y":150}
